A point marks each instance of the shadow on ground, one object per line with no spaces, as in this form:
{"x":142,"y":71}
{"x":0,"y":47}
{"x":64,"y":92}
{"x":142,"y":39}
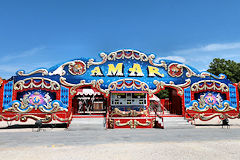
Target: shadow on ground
{"x":19,"y":126}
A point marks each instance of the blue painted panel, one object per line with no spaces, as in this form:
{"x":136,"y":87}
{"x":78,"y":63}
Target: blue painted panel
{"x":7,"y":95}
{"x":232,"y":95}
{"x":187,"y":96}
{"x":64,"y":95}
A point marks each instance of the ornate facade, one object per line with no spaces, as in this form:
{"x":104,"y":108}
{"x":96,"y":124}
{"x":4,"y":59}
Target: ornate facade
{"x":124,"y":81}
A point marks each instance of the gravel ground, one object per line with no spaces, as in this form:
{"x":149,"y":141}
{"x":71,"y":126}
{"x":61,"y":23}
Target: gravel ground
{"x":91,"y":141}
{"x":201,"y":150}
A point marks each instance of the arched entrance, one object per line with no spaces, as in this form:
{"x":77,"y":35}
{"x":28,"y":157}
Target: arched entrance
{"x":171,"y":101}
{"x":88,"y":101}
{"x":175,"y":102}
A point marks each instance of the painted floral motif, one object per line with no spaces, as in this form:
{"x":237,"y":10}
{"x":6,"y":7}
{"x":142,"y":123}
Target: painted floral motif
{"x":77,"y":68}
{"x":210,"y":101}
{"x":35,"y":100}
{"x":174,"y":70}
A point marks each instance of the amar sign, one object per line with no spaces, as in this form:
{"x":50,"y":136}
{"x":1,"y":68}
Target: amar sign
{"x":134,"y":71}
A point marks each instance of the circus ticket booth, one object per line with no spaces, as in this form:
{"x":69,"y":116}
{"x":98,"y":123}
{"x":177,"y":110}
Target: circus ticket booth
{"x":122,"y":87}
{"x":129,"y":109}
{"x":89,"y":102}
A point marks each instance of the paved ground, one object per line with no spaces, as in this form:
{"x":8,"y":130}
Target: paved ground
{"x":92,"y":141}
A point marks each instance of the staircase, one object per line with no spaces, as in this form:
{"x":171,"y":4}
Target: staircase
{"x":176,"y":123}
{"x":87,"y":124}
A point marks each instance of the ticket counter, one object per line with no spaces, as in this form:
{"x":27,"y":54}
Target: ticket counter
{"x":129,"y":101}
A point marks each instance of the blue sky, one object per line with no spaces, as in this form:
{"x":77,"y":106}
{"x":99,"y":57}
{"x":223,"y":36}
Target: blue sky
{"x":42,"y":33}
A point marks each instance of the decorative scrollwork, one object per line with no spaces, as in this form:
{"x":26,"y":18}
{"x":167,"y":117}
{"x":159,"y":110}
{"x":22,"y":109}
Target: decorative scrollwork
{"x":132,"y":123}
{"x":143,"y":86}
{"x":128,"y":54}
{"x":176,"y":70}
{"x":128,"y":123}
{"x":179,"y":87}
{"x":214,"y":85}
{"x":47,"y":118}
{"x":206,"y":117}
{"x":128,"y":83}
{"x":224,"y":107}
{"x":137,"y":123}
{"x":112,"y":86}
{"x":201,"y":106}
{"x":44,"y":118}
{"x":43,"y":71}
{"x":17,"y":107}
{"x":55,"y":117}
{"x":98,"y":86}
{"x":162,"y":64}
{"x":32,"y":83}
{"x":205,"y":74}
{"x":131,"y":113}
{"x":55,"y":107}
{"x":195,"y":106}
{"x":75,"y":86}
{"x":104,"y":59}
{"x":16,"y":118}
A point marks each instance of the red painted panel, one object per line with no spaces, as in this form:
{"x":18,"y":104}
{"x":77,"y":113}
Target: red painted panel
{"x":132,"y":122}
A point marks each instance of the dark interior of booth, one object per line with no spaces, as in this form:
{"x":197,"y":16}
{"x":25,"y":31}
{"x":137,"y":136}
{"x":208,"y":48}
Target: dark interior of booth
{"x":89,"y":105}
{"x":172,"y":101}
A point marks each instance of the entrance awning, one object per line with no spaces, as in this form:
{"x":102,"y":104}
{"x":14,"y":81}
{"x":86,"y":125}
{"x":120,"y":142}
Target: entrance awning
{"x":87,"y":92}
{"x":154,"y":98}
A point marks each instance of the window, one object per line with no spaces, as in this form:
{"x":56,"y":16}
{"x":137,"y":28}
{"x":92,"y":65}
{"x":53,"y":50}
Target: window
{"x":128,"y":99}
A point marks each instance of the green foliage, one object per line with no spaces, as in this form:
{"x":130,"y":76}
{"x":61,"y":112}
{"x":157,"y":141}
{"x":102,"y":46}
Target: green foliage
{"x":228,"y":67}
{"x":163,"y":94}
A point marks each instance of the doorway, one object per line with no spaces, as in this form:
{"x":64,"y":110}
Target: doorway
{"x":87,"y":101}
{"x":171,"y":101}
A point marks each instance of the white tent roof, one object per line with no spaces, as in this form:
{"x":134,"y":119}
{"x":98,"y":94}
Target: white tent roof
{"x":88,"y":91}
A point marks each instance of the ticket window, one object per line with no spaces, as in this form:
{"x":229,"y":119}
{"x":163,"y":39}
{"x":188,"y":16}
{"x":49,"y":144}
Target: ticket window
{"x":128,"y":99}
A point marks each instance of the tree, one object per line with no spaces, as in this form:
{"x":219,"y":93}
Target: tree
{"x":163,"y":94}
{"x":228,"y":67}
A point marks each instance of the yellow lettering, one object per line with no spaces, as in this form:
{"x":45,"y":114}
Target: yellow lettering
{"x":96,"y":72}
{"x":115,"y":71}
{"x":136,"y":71}
{"x":153,"y":71}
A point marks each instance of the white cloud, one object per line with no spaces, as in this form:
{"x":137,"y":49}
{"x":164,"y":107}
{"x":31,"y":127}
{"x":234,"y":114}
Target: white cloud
{"x":211,"y":48}
{"x":174,"y":58}
{"x":219,"y":47}
{"x":23,"y":54}
{"x":8,"y":70}
{"x":200,"y":57}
